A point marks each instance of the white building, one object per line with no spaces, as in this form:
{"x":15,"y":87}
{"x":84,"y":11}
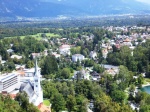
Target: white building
{"x":105,"y":52}
{"x":10,"y":50}
{"x":93,"y":54}
{"x":35,"y":55}
{"x":33,"y":88}
{"x":9,"y":82}
{"x":64,"y":50}
{"x":16,"y":56}
{"x":77,"y":57}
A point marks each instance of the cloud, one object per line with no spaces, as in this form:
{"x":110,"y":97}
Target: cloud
{"x":144,"y":1}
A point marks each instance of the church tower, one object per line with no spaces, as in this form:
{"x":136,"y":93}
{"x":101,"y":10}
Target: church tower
{"x":37,"y":85}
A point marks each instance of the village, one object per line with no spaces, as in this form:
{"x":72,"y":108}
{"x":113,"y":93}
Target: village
{"x":90,"y":63}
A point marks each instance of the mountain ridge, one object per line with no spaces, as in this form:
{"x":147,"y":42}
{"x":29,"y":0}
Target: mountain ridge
{"x":55,"y":8}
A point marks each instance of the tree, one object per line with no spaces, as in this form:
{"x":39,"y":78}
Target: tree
{"x":65,"y":73}
{"x":81,"y":103}
{"x":71,"y":103}
{"x":118,"y":96}
{"x":140,"y":80}
{"x":58,"y":102}
{"x":49,"y":66}
{"x":22,"y":98}
{"x":144,"y":108}
{"x":123,"y":77}
{"x":30,"y":64}
{"x":9,"y":105}
{"x":11,"y":66}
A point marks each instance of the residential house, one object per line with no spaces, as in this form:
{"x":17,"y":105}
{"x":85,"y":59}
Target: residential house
{"x":10,"y":51}
{"x":65,"y":49}
{"x":56,"y":55}
{"x":110,"y":69}
{"x":104,"y":53}
{"x":93,"y":54}
{"x":35,"y":55}
{"x":77,"y":57}
{"x":16,"y":56}
{"x":95,"y":76}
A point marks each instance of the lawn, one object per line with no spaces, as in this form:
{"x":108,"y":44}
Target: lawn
{"x":38,"y":36}
{"x":46,"y":102}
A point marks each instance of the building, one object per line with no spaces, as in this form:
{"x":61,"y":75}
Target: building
{"x":105,"y":52}
{"x":9,"y":82}
{"x":33,"y":88}
{"x":93,"y":54}
{"x":10,"y":50}
{"x":77,"y":57}
{"x":64,"y":50}
{"x":35,"y":55}
{"x":16,"y":56}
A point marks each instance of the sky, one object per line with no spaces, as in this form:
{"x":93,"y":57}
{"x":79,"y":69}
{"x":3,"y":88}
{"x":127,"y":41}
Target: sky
{"x":145,"y":1}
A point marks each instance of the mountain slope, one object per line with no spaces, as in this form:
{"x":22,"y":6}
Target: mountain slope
{"x":53,"y":8}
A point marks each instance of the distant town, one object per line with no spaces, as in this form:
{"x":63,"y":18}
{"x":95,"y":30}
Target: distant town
{"x":81,"y":69}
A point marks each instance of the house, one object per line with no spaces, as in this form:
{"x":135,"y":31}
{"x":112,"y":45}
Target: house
{"x":20,"y":67}
{"x":83,"y":74}
{"x":56,"y":55}
{"x":16,"y":56}
{"x":95,"y":76}
{"x":10,"y":50}
{"x":110,"y":69}
{"x":104,"y":53}
{"x":93,"y":54}
{"x":34,"y":55}
{"x":127,"y":42}
{"x":77,"y":57}
{"x":64,"y":49}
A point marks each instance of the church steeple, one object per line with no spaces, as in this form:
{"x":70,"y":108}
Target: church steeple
{"x":37,"y":86}
{"x":36,"y":68}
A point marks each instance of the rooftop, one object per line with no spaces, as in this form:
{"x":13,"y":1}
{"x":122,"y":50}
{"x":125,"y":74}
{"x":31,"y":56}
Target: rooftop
{"x":7,"y":76}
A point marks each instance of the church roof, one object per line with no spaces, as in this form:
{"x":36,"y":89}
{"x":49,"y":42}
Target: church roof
{"x":29,"y":89}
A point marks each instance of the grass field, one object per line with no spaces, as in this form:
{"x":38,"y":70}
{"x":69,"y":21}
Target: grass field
{"x":46,"y":102}
{"x":38,"y":36}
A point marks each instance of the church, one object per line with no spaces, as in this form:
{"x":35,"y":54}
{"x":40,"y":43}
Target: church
{"x":33,"y":87}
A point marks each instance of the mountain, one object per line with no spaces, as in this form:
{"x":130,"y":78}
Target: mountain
{"x":75,"y":8}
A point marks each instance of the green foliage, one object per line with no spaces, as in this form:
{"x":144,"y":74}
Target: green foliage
{"x":123,"y":77}
{"x":71,"y":103}
{"x":139,"y":62}
{"x":22,"y":98}
{"x":49,"y":66}
{"x":20,"y":104}
{"x":30,"y":64}
{"x":58,"y":102}
{"x":8,"y":105}
{"x":118,"y":96}
{"x":98,"y":68}
{"x":65,"y":73}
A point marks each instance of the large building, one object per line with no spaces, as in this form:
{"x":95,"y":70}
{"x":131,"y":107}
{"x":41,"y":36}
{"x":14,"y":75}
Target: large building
{"x":9,"y":82}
